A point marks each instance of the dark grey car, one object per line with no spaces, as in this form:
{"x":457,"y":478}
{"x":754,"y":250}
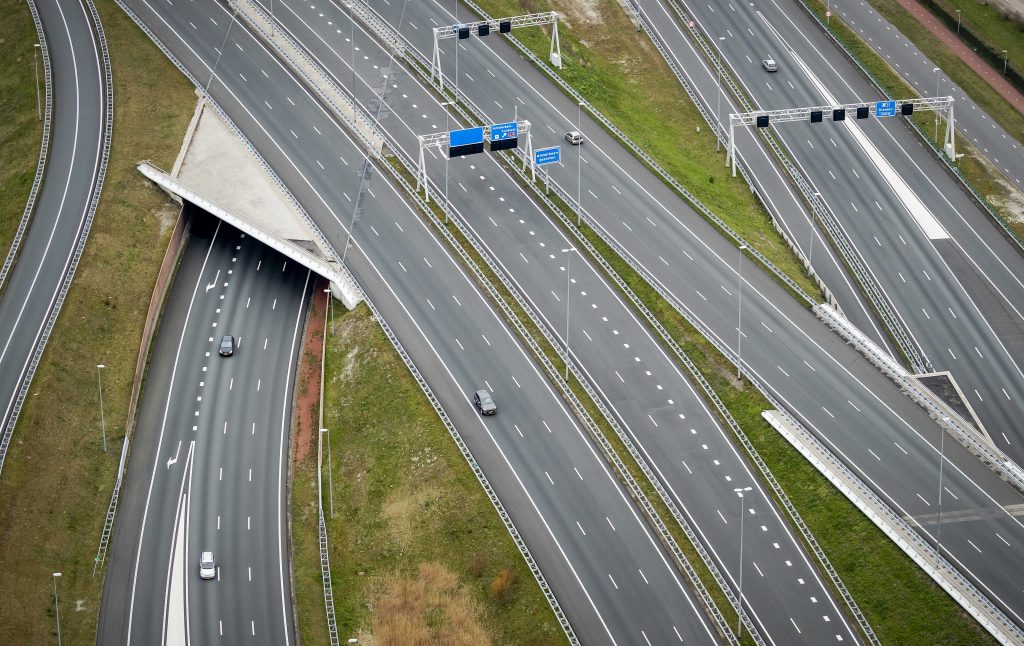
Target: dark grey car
{"x":483,"y":402}
{"x":227,"y":345}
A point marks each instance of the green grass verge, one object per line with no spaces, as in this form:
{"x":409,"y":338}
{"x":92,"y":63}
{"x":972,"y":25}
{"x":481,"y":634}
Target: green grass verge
{"x":551,"y":354}
{"x":994,"y":28}
{"x":902,"y":604}
{"x":405,"y":502}
{"x":20,"y":129}
{"x":978,"y":170}
{"x":621,"y":74}
{"x":56,"y":481}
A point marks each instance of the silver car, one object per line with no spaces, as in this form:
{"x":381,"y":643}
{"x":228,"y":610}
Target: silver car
{"x":207,"y":567}
{"x":574,"y":137}
{"x":770,"y":65}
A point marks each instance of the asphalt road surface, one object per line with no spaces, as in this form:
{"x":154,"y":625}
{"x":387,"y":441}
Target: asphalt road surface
{"x":1003,"y":149}
{"x":613,"y":580}
{"x":951,"y":275}
{"x":878,"y":432}
{"x":693,"y":455}
{"x":210,"y":454}
{"x":34,"y":289}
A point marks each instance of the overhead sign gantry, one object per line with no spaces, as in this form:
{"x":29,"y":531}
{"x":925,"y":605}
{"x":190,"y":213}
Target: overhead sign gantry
{"x":483,"y":28}
{"x":817,"y":114}
{"x":470,"y":141}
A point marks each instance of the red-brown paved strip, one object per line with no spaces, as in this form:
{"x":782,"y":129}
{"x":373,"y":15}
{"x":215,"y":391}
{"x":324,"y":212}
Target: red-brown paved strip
{"x":975,"y":62}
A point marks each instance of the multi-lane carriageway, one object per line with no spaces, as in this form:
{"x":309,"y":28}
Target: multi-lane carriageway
{"x":210,"y":454}
{"x":612,"y":579}
{"x":650,"y":396}
{"x":293,"y":134}
{"x":865,"y":420}
{"x":951,"y":275}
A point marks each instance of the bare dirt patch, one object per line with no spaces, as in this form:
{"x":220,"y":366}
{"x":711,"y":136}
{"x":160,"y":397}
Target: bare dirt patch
{"x":307,"y":392}
{"x":429,"y":608}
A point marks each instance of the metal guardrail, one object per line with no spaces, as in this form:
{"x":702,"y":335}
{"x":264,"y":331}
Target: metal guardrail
{"x":946,"y":418}
{"x":953,"y":168}
{"x":328,"y":599}
{"x":898,"y":530}
{"x":851,"y":256}
{"x":44,"y":150}
{"x":464,"y":449}
{"x":885,"y":510}
{"x":709,"y":391}
{"x":72,"y":266}
{"x":592,"y":429}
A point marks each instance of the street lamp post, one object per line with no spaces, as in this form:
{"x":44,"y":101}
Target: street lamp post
{"x":35,"y":66}
{"x":958,"y":22}
{"x":739,"y":602}
{"x":103,"y":422}
{"x":56,"y":604}
{"x":330,"y":305}
{"x":447,"y":128}
{"x":739,"y":314}
{"x":579,"y":163}
{"x":936,"y":70}
{"x":330,"y":471}
{"x":1005,"y":57}
{"x":568,"y":287}
{"x":718,"y":98}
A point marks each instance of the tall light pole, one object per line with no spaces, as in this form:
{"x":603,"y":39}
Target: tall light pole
{"x":352,"y":47}
{"x":330,"y":471}
{"x":936,"y":70}
{"x":330,"y":305}
{"x":35,"y":65}
{"x":739,"y":610}
{"x":447,"y":128}
{"x":568,"y":292}
{"x":958,"y":22}
{"x":56,"y":604}
{"x":1005,"y":58}
{"x":103,"y":422}
{"x":942,"y":458}
{"x":718,"y":98}
{"x":739,"y":314}
{"x":579,"y":163}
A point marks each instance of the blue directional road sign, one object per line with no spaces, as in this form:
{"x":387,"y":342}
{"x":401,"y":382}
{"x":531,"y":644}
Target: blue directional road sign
{"x":504,"y":136}
{"x":465,"y":142}
{"x":885,"y":108}
{"x":551,"y":155}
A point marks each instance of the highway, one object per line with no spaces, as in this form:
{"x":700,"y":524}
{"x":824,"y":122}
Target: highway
{"x":1003,"y":149}
{"x":859,"y":414}
{"x":210,"y":454}
{"x":953,"y":278}
{"x":612,"y":579}
{"x":35,"y":286}
{"x":662,"y":412}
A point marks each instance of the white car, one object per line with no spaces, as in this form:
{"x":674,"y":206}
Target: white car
{"x":770,"y":65}
{"x":574,"y":137}
{"x":207,"y":567}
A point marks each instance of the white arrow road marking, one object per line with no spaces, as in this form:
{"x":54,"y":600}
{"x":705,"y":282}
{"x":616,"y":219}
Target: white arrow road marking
{"x":214,"y":283}
{"x":171,"y":461}
{"x":175,"y":625}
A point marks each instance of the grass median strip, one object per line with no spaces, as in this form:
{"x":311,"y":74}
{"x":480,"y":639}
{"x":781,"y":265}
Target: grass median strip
{"x":418,"y":553}
{"x":902,"y":604}
{"x":56,"y":481}
{"x":21,"y":130}
{"x":621,"y":74}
